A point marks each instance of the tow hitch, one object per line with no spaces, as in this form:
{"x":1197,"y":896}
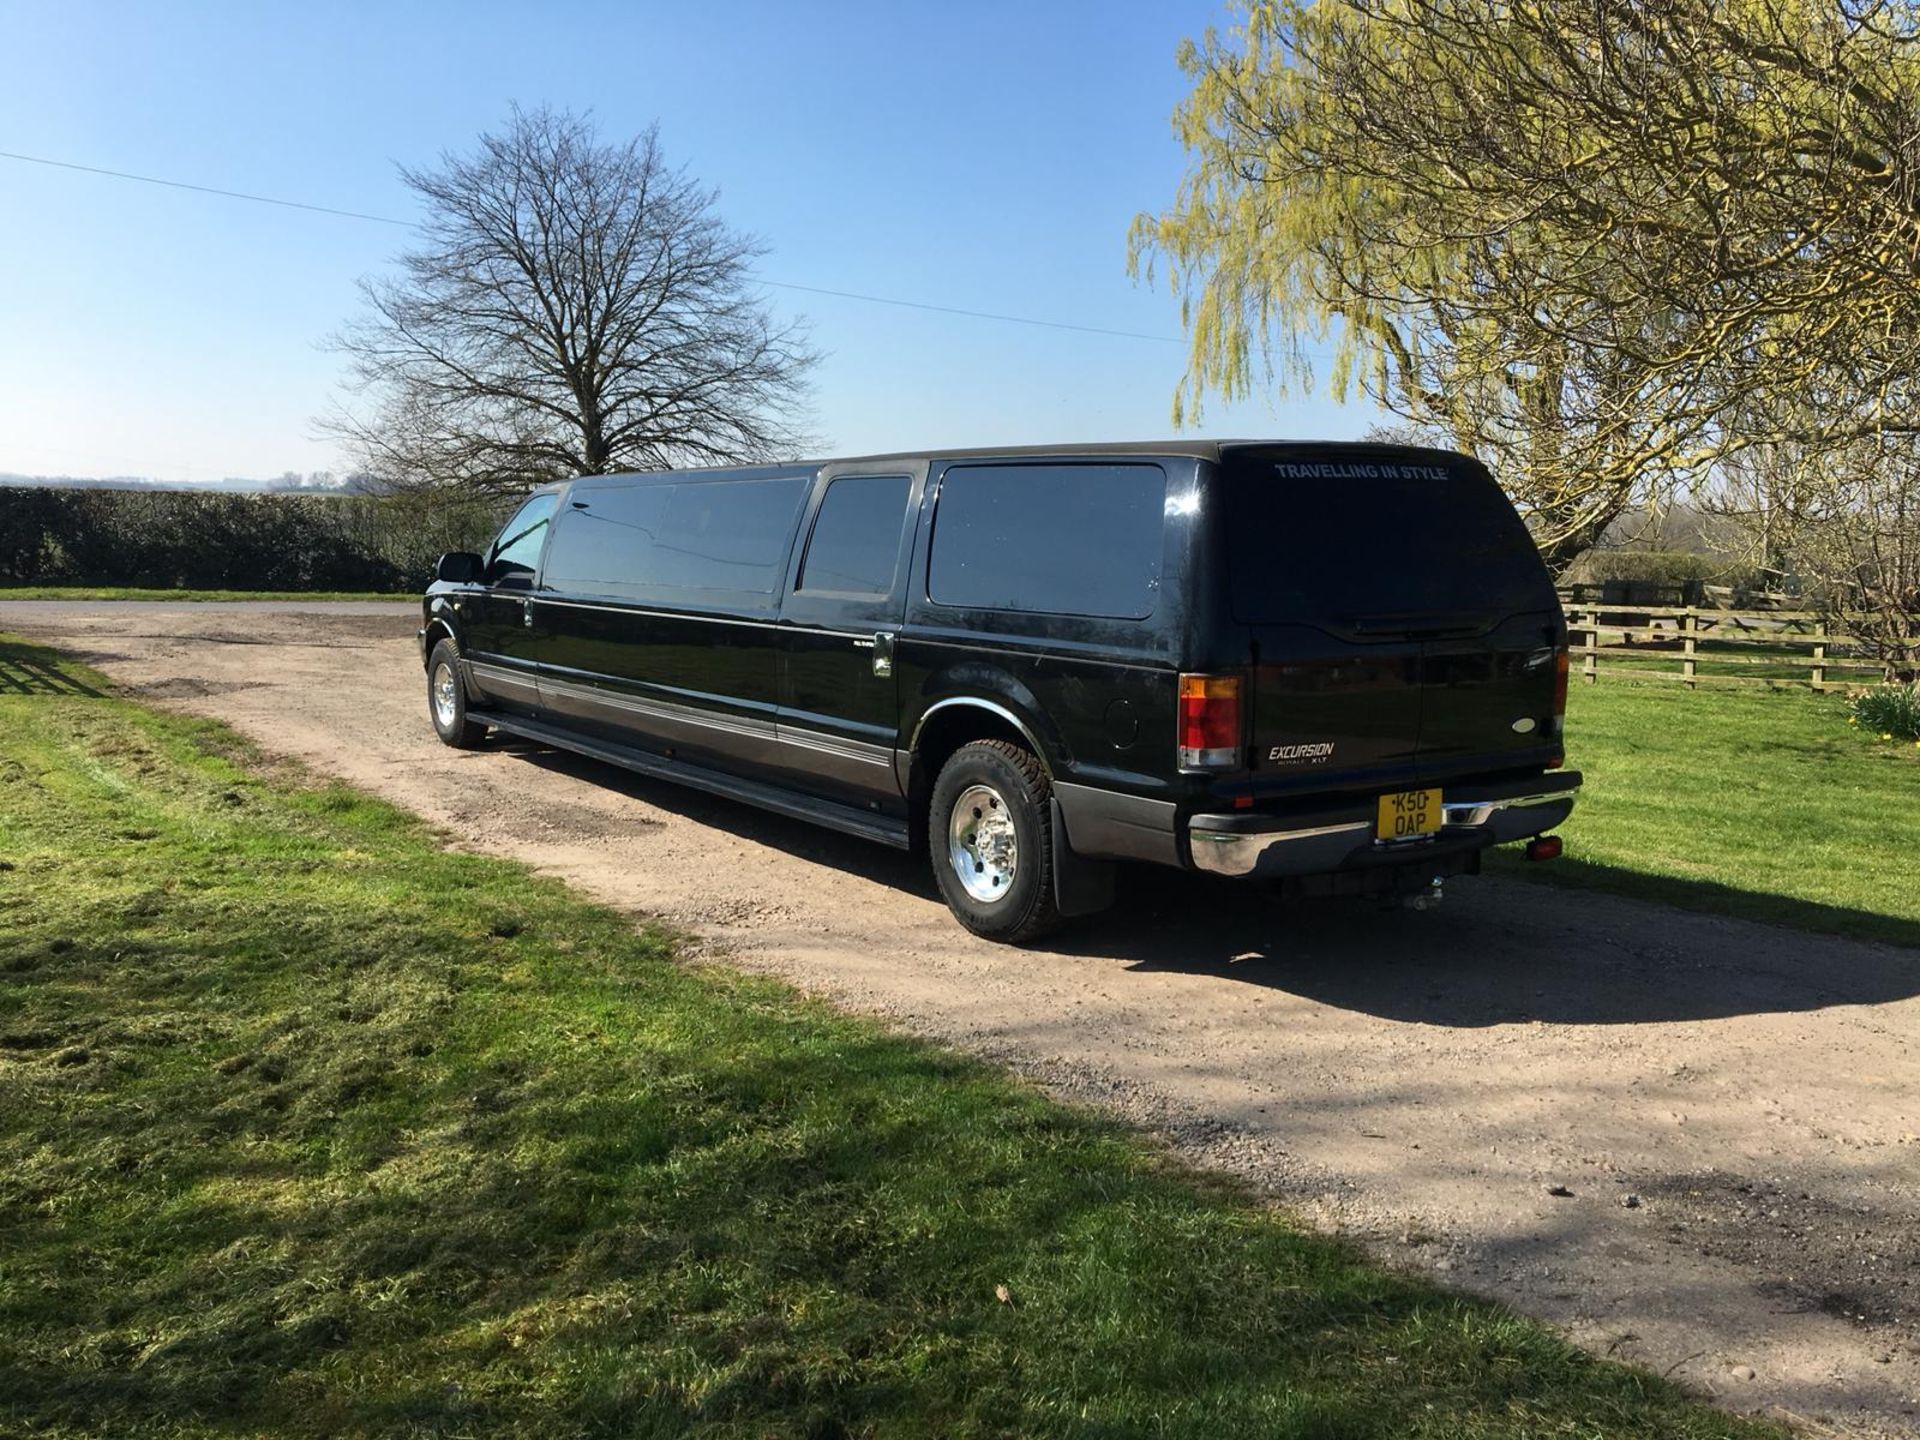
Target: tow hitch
{"x":1544,"y":847}
{"x":1427,"y":899}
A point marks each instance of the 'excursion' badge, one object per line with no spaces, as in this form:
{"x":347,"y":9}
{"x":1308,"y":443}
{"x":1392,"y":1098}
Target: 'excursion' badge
{"x":1309,"y":754}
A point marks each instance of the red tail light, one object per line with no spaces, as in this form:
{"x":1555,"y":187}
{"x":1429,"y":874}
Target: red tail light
{"x":1209,"y":725}
{"x":1562,"y":666}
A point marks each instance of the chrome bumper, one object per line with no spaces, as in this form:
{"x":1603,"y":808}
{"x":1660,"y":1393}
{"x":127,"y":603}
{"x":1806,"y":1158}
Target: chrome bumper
{"x":1234,"y":845}
{"x":1480,"y":812}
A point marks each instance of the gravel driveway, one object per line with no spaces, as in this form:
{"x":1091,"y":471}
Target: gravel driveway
{"x":1687,"y":1140}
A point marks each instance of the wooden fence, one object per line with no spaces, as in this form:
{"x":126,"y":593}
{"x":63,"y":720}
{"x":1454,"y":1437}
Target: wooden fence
{"x":1698,"y":645}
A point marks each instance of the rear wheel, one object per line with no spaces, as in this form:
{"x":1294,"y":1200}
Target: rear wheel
{"x":990,"y":834}
{"x":447,"y":699}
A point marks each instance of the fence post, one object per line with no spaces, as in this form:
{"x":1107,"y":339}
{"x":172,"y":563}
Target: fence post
{"x":1820,"y":655}
{"x":1590,"y":665}
{"x":1689,"y":638}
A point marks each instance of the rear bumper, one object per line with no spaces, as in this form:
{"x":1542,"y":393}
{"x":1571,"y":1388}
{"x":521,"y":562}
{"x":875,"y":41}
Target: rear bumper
{"x":1268,"y":847}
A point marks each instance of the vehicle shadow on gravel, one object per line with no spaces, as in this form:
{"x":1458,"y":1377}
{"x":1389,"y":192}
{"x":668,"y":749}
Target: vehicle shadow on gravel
{"x":846,"y":853}
{"x":1495,"y":952}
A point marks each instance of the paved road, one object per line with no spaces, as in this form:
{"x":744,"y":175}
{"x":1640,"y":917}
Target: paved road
{"x":1420,"y":1081}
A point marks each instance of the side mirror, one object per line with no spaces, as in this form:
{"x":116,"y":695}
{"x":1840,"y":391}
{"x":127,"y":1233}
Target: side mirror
{"x":459,"y":567}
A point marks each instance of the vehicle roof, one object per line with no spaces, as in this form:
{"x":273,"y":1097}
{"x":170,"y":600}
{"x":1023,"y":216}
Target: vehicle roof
{"x":1182,"y":449}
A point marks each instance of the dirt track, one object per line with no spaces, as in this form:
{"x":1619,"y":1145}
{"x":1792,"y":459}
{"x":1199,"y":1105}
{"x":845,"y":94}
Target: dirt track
{"x":1421,"y":1081}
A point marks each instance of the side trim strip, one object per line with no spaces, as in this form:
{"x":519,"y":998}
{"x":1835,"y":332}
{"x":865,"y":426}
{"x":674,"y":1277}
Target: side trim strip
{"x":854,"y":750}
{"x":503,"y":677}
{"x":784,"y":628}
{"x":869,"y":826}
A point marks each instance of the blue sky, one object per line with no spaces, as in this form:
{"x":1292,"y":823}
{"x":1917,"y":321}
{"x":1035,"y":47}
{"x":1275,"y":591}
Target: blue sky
{"x":987,"y":156}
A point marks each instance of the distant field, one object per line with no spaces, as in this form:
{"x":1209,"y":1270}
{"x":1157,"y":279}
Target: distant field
{"x":99,"y":592}
{"x":314,"y":1127}
{"x":1750,"y":802}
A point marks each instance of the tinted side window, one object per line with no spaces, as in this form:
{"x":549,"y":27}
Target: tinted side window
{"x":727,"y":535}
{"x":682,"y":535}
{"x":1059,"y":539}
{"x":603,"y":543}
{"x":855,"y":549}
{"x":517,"y":552}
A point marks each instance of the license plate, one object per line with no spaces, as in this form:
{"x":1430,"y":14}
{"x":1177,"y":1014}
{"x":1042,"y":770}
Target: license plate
{"x":1409,"y":815}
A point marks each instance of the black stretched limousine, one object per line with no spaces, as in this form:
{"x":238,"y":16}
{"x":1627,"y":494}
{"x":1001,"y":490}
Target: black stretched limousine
{"x":1340,"y":666}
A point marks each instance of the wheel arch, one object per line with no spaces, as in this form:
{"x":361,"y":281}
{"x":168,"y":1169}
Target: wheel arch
{"x":946,"y":725}
{"x":437,"y":629}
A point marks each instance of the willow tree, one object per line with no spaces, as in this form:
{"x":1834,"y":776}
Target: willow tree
{"x":574,"y":306}
{"x":1576,"y":236}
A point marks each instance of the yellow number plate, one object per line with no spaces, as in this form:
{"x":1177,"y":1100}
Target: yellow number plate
{"x":1409,"y":815}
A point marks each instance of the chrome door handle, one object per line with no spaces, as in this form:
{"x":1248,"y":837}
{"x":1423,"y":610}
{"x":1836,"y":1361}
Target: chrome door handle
{"x":526,"y":613}
{"x":883,"y":653}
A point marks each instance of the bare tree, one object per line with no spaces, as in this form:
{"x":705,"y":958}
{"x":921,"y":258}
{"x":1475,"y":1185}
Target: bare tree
{"x":576,"y":307}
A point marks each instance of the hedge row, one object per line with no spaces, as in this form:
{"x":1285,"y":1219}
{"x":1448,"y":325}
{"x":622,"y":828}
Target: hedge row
{"x":179,"y":539}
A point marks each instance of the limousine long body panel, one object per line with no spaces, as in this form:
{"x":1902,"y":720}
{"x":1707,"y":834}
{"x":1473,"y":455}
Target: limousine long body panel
{"x":819,"y":639}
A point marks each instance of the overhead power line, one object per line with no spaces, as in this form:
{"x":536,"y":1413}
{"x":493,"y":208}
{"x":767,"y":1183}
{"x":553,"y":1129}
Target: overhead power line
{"x":974,"y":314}
{"x":202,"y":189}
{"x":775,"y":284}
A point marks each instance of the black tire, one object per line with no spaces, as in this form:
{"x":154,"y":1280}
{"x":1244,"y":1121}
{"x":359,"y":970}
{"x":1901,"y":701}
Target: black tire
{"x":1025,"y":909}
{"x":450,"y":720}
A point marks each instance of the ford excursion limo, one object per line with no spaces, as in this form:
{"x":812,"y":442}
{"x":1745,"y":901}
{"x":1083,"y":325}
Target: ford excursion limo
{"x":1341,"y":667}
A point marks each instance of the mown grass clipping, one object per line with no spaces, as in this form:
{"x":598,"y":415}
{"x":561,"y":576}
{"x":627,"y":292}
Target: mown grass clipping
{"x":313,"y":1127}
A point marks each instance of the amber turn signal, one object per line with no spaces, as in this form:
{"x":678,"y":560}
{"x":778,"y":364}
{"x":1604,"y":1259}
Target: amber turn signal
{"x":1209,"y":722}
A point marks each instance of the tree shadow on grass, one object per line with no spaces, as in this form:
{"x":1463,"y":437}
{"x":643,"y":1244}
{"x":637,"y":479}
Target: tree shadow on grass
{"x":807,"y":1239}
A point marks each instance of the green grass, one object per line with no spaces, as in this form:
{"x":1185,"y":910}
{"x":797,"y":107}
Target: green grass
{"x":313,"y":1127}
{"x":1762,"y":804}
{"x":128,"y":592}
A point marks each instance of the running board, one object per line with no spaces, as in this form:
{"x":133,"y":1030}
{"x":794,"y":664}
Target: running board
{"x":867,"y":824}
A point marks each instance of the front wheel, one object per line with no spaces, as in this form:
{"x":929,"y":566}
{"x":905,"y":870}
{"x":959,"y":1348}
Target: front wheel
{"x":990,"y":833}
{"x":447,"y":699}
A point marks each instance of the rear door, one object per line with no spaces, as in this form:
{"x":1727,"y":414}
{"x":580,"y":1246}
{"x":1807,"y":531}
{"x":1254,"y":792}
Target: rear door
{"x":839,"y":705}
{"x":1402,"y":625}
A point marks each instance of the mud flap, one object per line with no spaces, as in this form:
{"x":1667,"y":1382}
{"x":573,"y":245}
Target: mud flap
{"x":1080,"y":886}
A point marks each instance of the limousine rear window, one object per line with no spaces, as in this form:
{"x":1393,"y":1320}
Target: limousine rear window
{"x":1055,"y":539}
{"x":1345,"y":539}
{"x":631,"y":540}
{"x":855,"y":549}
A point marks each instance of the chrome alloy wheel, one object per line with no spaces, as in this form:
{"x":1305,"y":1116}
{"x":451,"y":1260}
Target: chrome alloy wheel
{"x":982,"y":847}
{"x":445,"y":695}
